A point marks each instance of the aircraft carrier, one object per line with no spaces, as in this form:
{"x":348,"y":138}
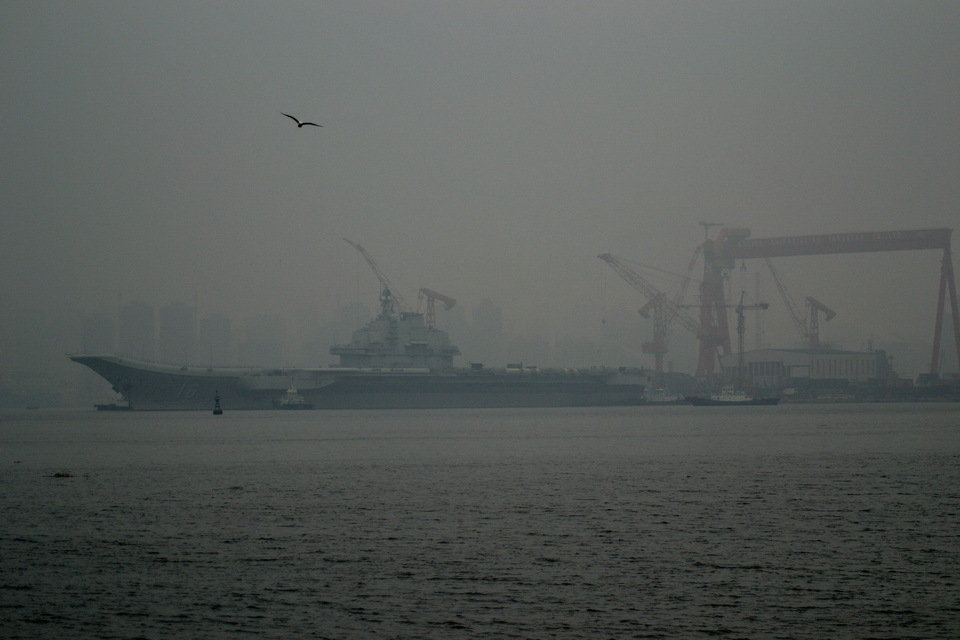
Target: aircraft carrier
{"x":395,"y":361}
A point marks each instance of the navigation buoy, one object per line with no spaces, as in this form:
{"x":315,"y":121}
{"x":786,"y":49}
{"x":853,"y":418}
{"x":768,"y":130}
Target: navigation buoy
{"x":217,"y":410}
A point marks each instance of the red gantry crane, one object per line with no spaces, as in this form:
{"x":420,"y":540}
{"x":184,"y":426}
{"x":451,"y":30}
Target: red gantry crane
{"x":731,"y":244}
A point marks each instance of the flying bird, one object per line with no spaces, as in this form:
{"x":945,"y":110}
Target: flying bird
{"x":301,"y":124}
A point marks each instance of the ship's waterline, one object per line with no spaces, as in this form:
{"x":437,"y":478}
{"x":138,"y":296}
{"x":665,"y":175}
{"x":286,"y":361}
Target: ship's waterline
{"x":396,"y":361}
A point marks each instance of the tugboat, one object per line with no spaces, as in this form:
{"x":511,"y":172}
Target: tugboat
{"x":663,"y":396}
{"x":120,"y":405}
{"x":292,"y":400}
{"x":217,"y":409}
{"x":730,"y":396}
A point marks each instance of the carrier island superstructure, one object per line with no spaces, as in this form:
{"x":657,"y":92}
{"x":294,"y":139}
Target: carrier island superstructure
{"x":396,"y":360}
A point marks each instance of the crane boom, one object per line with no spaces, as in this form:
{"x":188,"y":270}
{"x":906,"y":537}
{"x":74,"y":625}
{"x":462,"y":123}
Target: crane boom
{"x":431,"y":297}
{"x":682,"y":291}
{"x":663,"y":309}
{"x":742,"y":329}
{"x":385,"y":285}
{"x":798,"y":320}
{"x":816,"y":308}
{"x":809,"y":325}
{"x":833,"y":243}
{"x":828,"y":313}
{"x":650,"y":292}
{"x":430,"y":294}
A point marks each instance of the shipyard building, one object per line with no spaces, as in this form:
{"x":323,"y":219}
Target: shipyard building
{"x":809,"y":368}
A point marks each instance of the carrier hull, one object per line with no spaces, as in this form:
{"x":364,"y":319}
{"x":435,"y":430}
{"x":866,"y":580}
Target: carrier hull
{"x":150,"y":386}
{"x":752,"y":402}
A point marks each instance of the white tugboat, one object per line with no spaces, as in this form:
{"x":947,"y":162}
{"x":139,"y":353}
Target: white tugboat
{"x":663,"y":396}
{"x":293,"y":400}
{"x":730,"y":396}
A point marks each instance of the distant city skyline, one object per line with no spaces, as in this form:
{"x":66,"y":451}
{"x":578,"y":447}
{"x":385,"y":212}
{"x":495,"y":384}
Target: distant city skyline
{"x":46,"y":376}
{"x":489,"y":151}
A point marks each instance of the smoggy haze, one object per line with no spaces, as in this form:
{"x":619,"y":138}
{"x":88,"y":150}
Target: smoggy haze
{"x":488,"y":150}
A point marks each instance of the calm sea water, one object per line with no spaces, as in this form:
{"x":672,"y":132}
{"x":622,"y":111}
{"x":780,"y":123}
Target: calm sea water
{"x":818,"y":521}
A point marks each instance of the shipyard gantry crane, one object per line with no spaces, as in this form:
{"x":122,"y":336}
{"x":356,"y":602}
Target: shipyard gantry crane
{"x":808,"y":325}
{"x":659,"y":305}
{"x":733,"y":244}
{"x":431,"y":297}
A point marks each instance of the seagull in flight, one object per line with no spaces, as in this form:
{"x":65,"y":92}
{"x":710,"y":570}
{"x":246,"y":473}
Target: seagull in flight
{"x":301,"y":124}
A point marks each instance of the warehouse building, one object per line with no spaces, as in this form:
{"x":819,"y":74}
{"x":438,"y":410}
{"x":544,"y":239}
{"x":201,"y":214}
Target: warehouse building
{"x":779,"y":368}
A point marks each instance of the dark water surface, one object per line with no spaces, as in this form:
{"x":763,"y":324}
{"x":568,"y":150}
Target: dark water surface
{"x":819,"y":521}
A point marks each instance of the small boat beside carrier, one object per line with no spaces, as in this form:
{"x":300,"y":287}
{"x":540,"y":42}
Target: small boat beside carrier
{"x":729,"y":396}
{"x":661,"y":396}
{"x":292,"y":400}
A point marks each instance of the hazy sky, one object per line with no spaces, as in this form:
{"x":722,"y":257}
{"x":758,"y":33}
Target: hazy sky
{"x":483,"y":149}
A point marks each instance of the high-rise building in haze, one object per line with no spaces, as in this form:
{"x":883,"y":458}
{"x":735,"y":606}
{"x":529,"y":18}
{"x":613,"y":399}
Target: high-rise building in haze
{"x":263,"y":346}
{"x":177,"y":334}
{"x":136,"y":331}
{"x":215,"y":347}
{"x":486,"y":340}
{"x":98,"y":333}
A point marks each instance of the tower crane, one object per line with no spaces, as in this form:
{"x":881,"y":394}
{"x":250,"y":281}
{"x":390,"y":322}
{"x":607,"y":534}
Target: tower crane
{"x":389,"y":299}
{"x":809,"y":325}
{"x":740,"y":308}
{"x":431,"y":297}
{"x":659,"y":305}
